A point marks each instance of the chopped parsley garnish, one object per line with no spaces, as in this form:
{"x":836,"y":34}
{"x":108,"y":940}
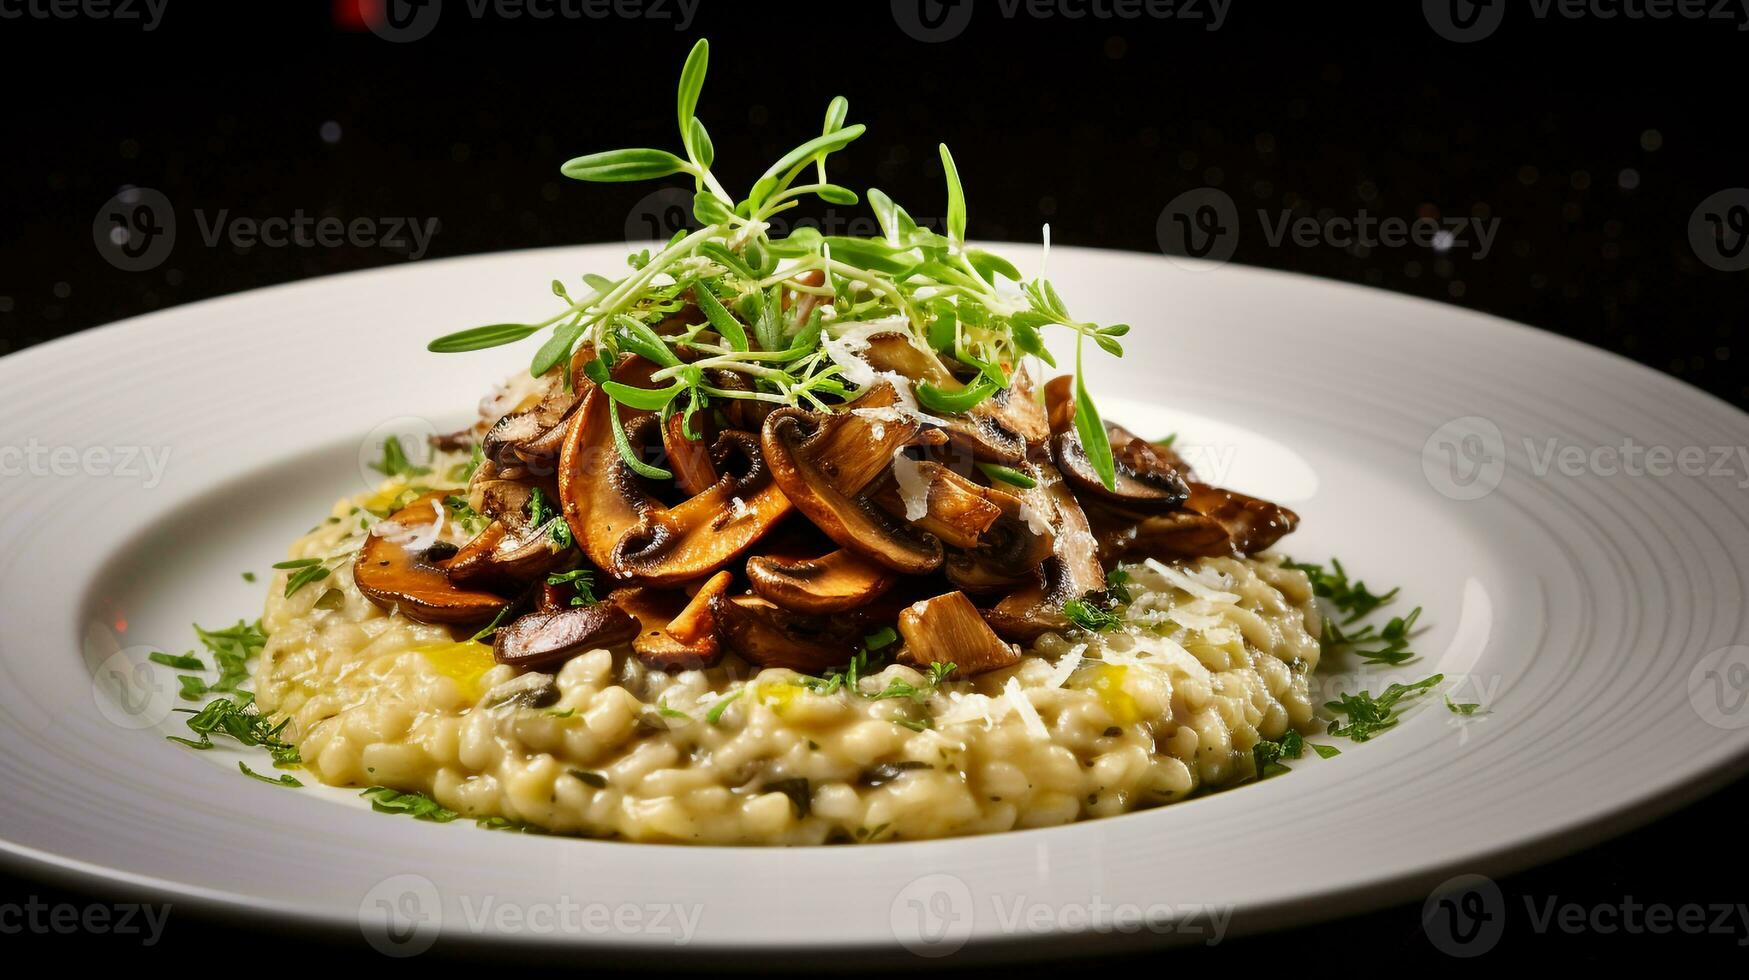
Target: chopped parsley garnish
{"x":1268,"y":755}
{"x":716,"y":713}
{"x":238,"y":720}
{"x":464,"y":472}
{"x":667,"y":712}
{"x":463,"y":513}
{"x":248,"y":576}
{"x":903,"y":689}
{"x":417,"y":805}
{"x":800,"y":793}
{"x":581,"y":581}
{"x":1462,"y":709}
{"x":1368,"y":716}
{"x":283,"y":779}
{"x":232,"y":648}
{"x":395,"y":462}
{"x":1353,"y":599}
{"x":1090,"y":616}
{"x":304,"y":576}
{"x":589,"y":777}
{"x":187,"y":661}
{"x":1117,"y":585}
{"x":886,"y":772}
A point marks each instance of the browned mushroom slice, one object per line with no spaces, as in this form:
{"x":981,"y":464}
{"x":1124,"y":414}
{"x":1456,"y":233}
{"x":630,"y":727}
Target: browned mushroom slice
{"x":1213,"y":523}
{"x":832,"y":583}
{"x":674,"y":633}
{"x":688,"y":458}
{"x":630,"y":534}
{"x":1072,"y":571}
{"x":1143,"y":479}
{"x":395,"y":576}
{"x":501,"y":558}
{"x":768,"y":635}
{"x":823,"y":462}
{"x":940,"y":501}
{"x":542,"y":640}
{"x":948,"y":630}
{"x":1010,"y":553}
{"x":1148,"y":477}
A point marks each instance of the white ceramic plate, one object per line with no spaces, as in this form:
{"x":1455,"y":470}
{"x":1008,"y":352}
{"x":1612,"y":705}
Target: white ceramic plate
{"x":1592,"y":610}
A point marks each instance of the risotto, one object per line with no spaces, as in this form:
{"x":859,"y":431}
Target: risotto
{"x":1212,"y":656}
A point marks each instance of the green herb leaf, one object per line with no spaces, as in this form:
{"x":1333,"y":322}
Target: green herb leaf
{"x":185,"y":661}
{"x":956,"y":198}
{"x":280,"y":780}
{"x":1008,"y":474}
{"x":417,"y":805}
{"x":618,"y":166}
{"x":953,"y":402}
{"x":480,"y":338}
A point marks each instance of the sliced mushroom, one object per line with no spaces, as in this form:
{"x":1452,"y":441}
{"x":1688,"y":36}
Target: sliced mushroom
{"x":768,"y":635}
{"x":940,"y":501}
{"x":630,"y":534}
{"x":948,"y":630}
{"x":835,"y":582}
{"x":502,"y":558}
{"x":823,"y":462}
{"x":1213,"y":522}
{"x":675,"y":633}
{"x":1073,"y":570}
{"x":540,"y":640}
{"x":1147,"y":477}
{"x":393,"y":574}
{"x":1010,"y":553}
{"x":689,"y":459}
{"x":527,"y":439}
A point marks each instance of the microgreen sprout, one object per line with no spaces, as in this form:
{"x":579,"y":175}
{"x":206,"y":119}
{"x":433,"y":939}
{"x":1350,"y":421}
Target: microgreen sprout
{"x":960,"y":301}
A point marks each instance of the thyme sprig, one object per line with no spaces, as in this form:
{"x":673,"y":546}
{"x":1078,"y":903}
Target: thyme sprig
{"x":953,"y":298}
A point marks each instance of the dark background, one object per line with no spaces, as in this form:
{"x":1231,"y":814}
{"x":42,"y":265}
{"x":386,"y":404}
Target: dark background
{"x":1593,"y":142}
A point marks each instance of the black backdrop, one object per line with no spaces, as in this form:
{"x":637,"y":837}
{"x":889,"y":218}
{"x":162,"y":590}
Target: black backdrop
{"x":1592,"y":146}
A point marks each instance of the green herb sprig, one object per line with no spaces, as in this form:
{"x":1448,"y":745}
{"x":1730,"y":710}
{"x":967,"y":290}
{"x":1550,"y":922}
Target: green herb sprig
{"x":954,"y":298}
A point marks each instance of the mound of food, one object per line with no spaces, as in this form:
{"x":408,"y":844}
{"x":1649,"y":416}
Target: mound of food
{"x":779,"y":542}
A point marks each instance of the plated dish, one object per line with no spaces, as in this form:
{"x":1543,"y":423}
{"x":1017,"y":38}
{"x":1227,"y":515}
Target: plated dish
{"x":778,"y":541}
{"x":1562,"y":604}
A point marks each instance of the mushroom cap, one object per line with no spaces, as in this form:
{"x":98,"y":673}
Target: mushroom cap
{"x":630,"y":535}
{"x":768,"y":635}
{"x":394,"y":576}
{"x":539,"y":640}
{"x":835,"y":582}
{"x":822,"y":462}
